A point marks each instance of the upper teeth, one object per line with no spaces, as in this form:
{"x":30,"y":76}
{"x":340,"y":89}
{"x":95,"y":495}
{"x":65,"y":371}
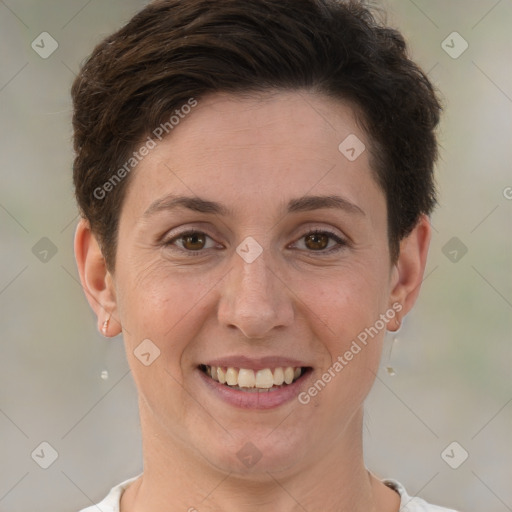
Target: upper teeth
{"x":247,"y":378}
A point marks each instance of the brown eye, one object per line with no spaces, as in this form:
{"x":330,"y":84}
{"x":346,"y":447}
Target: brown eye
{"x":317,"y":241}
{"x":322,"y":242}
{"x":193,"y":241}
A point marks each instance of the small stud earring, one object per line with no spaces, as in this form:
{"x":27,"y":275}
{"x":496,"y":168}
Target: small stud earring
{"x":104,"y":327}
{"x":391,"y":371}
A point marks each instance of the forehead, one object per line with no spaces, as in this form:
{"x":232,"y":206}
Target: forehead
{"x":268,"y":143}
{"x":284,"y":119}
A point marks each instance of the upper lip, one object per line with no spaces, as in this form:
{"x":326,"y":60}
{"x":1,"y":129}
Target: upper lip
{"x":255,"y":363}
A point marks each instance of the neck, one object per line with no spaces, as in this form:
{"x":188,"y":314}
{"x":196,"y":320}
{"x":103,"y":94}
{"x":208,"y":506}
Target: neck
{"x":177,"y":478}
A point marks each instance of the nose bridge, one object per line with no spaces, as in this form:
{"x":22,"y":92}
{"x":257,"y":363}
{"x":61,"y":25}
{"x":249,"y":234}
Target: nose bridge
{"x":254,"y":285}
{"x":256,"y":279}
{"x":254,"y":300}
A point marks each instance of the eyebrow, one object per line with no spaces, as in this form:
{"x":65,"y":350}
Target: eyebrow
{"x":301,"y":204}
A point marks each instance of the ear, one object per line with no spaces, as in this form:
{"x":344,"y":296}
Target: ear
{"x":97,"y":282}
{"x":407,"y":273}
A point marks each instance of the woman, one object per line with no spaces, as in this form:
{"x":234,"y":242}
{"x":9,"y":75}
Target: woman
{"x":255,"y":180}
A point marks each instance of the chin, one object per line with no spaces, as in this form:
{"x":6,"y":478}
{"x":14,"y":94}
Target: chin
{"x":252,"y":453}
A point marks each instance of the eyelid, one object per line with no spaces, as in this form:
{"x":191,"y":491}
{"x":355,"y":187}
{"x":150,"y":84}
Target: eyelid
{"x":341,"y":241}
{"x":169,"y":241}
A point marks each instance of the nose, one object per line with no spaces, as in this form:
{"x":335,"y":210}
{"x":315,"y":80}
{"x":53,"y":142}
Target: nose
{"x":255,"y":299}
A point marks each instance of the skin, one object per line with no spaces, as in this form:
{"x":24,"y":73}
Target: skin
{"x":253,"y":155}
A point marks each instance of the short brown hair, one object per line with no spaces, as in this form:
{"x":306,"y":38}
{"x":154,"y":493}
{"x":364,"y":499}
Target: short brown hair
{"x":175,"y":50}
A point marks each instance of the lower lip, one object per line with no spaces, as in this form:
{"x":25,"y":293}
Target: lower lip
{"x":255,"y":400}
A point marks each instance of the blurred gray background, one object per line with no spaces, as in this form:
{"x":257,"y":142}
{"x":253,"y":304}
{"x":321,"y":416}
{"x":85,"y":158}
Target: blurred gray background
{"x":448,"y":377}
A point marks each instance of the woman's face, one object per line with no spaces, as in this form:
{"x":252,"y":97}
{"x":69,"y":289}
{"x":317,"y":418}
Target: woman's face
{"x":254,"y":291}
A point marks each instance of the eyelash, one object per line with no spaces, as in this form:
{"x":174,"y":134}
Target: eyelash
{"x":340,"y":241}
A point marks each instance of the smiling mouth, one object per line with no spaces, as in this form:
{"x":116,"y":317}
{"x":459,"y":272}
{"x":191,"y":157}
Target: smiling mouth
{"x":264,"y":380}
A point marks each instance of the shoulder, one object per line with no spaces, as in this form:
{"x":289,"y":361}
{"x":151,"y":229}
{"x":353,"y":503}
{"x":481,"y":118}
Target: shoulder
{"x":411,"y":503}
{"x":111,"y":502}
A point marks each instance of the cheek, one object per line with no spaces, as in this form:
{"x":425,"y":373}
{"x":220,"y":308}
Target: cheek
{"x":349,"y":306}
{"x":165,"y":305}
{"x":352,"y":299}
{"x":166,"y":308}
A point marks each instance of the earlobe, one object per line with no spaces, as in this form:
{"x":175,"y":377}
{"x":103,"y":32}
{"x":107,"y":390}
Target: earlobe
{"x":410,"y":267}
{"x":96,"y":280}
